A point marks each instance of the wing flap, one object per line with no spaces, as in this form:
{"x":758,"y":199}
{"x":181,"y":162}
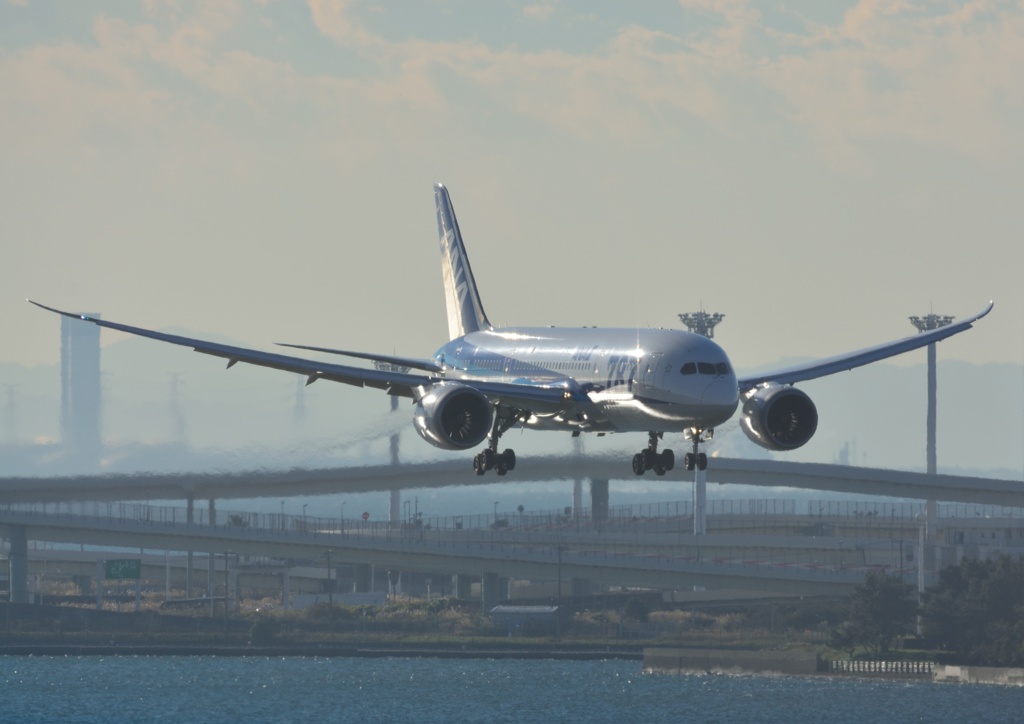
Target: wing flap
{"x":427,"y":365}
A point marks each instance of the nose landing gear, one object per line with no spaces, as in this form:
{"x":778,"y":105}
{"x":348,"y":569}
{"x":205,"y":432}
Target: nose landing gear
{"x":695,"y":459}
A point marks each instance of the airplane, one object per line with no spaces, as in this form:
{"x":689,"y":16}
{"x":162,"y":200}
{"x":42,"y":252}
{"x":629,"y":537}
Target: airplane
{"x":486,"y":380}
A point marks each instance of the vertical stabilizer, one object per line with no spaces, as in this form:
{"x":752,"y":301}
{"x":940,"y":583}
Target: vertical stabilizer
{"x":465,"y":312}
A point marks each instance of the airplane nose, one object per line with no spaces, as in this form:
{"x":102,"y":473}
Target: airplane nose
{"x":720,"y":399}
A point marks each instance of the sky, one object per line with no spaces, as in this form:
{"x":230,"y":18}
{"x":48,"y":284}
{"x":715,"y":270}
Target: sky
{"x":817,"y":172}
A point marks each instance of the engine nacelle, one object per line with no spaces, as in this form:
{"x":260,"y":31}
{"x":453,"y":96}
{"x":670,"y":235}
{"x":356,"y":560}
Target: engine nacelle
{"x":452,"y":416}
{"x":779,"y":417}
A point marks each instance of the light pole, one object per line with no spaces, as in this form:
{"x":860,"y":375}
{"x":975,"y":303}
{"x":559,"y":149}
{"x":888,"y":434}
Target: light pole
{"x":924,"y":324}
{"x":702,"y":323}
{"x":226,"y":559}
{"x":330,"y":592}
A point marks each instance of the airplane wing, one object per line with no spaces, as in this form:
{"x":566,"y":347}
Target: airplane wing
{"x":526,"y":396}
{"x":396,"y":383}
{"x":843,"y":362}
{"x":428,"y":365}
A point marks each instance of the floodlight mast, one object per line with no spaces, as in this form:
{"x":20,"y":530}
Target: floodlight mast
{"x":927,"y":323}
{"x":702,"y":323}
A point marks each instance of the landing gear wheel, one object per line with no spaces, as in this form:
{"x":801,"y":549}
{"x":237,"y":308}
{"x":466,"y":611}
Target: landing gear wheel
{"x":702,"y":462}
{"x":509,"y":458}
{"x":638,"y":464}
{"x":689,"y":461}
{"x":668,"y":459}
{"x":478,"y":464}
{"x":659,"y":469}
{"x":501,"y":468}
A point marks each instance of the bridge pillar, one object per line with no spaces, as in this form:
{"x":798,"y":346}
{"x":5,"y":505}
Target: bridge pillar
{"x":210,"y":565}
{"x":395,"y":509}
{"x":189,"y":517}
{"x":18,"y":566}
{"x":490,"y":590}
{"x":462,"y":587}
{"x":395,"y":582}
{"x":580,"y":587}
{"x":362,"y":573}
{"x":700,"y":502}
{"x":599,"y":501}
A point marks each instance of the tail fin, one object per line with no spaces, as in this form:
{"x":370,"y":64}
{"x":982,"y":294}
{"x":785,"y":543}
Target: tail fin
{"x":465,"y":312}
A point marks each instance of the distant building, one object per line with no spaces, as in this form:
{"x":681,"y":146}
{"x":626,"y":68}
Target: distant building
{"x":80,"y":390}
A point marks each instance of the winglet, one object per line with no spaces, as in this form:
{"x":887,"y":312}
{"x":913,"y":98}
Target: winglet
{"x":72,"y":315}
{"x":465,"y":311}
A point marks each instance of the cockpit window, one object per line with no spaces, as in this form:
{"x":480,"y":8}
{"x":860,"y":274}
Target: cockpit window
{"x":705,"y":368}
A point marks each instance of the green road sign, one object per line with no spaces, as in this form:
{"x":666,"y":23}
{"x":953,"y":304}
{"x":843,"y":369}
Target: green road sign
{"x":123,"y":568}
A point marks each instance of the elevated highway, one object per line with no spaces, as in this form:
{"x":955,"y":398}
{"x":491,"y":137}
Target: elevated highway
{"x":651,"y":554}
{"x":297,"y":482}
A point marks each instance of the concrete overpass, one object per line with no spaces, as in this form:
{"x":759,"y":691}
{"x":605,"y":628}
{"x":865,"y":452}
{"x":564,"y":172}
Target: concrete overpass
{"x":297,"y":482}
{"x":644,"y":553}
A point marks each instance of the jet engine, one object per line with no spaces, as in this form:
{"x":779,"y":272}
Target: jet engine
{"x":779,"y":417}
{"x":453,"y":416}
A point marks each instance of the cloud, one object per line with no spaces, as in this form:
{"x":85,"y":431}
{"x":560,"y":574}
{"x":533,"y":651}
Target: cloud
{"x":540,"y":11}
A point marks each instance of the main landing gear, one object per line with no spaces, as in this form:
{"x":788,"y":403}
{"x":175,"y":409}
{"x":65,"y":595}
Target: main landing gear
{"x":651,"y":459}
{"x":491,"y":459}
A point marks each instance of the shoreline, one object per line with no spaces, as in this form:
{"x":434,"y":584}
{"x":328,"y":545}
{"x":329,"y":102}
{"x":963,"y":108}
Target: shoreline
{"x":323,"y":651}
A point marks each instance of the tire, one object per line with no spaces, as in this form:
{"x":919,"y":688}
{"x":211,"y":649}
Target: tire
{"x":702,"y":462}
{"x":668,"y":459}
{"x":689,"y":461}
{"x":509,"y":457}
{"x":638,"y":464}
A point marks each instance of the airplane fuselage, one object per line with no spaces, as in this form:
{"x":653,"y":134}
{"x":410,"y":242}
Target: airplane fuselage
{"x":619,"y":380}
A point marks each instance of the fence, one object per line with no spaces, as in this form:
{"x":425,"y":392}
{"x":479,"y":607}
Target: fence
{"x":882,"y":668}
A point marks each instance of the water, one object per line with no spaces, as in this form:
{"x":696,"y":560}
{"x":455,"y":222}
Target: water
{"x":218,"y":689}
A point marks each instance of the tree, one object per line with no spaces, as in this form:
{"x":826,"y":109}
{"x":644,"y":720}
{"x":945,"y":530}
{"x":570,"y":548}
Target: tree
{"x":881,"y":609}
{"x":976,"y":611}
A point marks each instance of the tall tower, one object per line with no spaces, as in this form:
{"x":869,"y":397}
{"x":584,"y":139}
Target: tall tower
{"x":80,"y":389}
{"x":702,"y":323}
{"x":925,"y":324}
